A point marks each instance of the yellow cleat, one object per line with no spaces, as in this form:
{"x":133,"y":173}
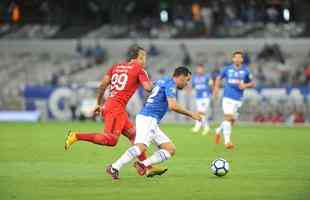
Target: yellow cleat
{"x":155,"y":170}
{"x":71,"y":139}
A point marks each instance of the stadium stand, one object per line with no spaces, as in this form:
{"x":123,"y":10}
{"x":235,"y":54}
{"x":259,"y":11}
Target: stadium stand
{"x":281,"y":63}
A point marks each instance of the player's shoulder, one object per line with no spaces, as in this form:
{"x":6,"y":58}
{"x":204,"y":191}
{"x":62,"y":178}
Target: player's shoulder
{"x":227,"y":67}
{"x":246,"y":68}
{"x":166,"y":81}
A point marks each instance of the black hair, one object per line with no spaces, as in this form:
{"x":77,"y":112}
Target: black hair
{"x":181,"y":71}
{"x":134,"y":52}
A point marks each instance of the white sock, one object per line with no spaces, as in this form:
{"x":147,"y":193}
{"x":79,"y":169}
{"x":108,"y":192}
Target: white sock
{"x":226,"y":131}
{"x":128,"y":156}
{"x":158,"y":157}
{"x":219,"y":129}
{"x":206,"y":123}
{"x":197,"y":125}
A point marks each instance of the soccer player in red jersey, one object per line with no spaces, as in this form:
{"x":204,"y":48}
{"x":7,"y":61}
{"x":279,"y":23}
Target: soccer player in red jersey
{"x":123,"y":79}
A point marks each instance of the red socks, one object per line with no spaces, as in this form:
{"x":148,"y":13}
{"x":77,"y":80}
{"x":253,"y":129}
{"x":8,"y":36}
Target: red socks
{"x":101,"y":139}
{"x":143,"y":156}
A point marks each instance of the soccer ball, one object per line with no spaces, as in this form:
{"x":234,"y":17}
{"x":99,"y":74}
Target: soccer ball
{"x":220,"y":167}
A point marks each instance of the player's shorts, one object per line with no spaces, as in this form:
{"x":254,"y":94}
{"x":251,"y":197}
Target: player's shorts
{"x":116,"y":120}
{"x":231,"y":106}
{"x":202,"y":104}
{"x":148,"y":131}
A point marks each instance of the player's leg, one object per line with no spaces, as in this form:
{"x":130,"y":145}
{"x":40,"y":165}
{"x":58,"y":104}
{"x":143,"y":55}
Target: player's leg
{"x":228,"y":109}
{"x":109,"y":137}
{"x":227,"y":129}
{"x":219,"y":129}
{"x":130,"y":132}
{"x":155,"y":170}
{"x":199,"y":108}
{"x":206,"y":113}
{"x":165,"y":152}
{"x":142,"y":141}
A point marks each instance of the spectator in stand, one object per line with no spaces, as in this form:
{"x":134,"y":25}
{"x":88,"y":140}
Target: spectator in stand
{"x":153,"y":50}
{"x":88,"y":53}
{"x":277,"y":117}
{"x":259,"y":118}
{"x":299,"y":117}
{"x":307,"y":74}
{"x":55,"y":79}
{"x":79,"y":48}
{"x":272,"y":52}
{"x":207,"y":18}
{"x":296,"y":118}
{"x":99,"y":54}
{"x":186,"y":60}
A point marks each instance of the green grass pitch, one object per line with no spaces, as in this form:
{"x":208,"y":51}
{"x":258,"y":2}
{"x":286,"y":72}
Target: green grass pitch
{"x":269,"y":162}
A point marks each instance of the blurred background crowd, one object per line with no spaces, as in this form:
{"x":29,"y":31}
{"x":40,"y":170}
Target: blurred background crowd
{"x":66,"y":43}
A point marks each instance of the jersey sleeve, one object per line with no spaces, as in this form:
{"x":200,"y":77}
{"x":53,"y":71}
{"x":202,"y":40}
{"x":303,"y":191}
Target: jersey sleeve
{"x":109,"y":72}
{"x":223,"y":73}
{"x":142,"y":76}
{"x":171,"y":90}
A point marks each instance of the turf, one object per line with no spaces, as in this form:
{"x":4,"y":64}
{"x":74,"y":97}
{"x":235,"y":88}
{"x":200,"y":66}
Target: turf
{"x":268,"y":163}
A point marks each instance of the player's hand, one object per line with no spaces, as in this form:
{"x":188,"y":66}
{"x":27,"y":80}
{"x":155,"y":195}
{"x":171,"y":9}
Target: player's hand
{"x":97,"y":110}
{"x":196,"y":116}
{"x":242,"y":86}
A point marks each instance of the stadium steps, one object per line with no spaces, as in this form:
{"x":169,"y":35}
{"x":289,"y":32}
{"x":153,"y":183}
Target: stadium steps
{"x":75,"y":31}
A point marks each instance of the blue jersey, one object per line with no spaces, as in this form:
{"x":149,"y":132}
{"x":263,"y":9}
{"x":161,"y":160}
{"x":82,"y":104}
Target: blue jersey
{"x":201,"y":84}
{"x":233,"y":77}
{"x":157,"y":105}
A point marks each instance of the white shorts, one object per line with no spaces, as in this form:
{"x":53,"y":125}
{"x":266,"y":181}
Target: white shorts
{"x":231,"y":106}
{"x":203,"y":104}
{"x":148,"y":131}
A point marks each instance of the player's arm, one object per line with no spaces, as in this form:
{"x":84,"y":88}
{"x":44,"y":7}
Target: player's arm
{"x":145,"y":81}
{"x":249,"y":82}
{"x":174,"y":106}
{"x":105,"y":82}
{"x":147,"y":85}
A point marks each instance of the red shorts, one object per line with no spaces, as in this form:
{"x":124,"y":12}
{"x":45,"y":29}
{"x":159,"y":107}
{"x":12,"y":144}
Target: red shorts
{"x":116,"y":120}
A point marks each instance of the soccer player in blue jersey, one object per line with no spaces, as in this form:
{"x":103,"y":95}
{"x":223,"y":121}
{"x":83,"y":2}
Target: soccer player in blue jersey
{"x":202,"y":84}
{"x":162,"y":98}
{"x":237,"y":78}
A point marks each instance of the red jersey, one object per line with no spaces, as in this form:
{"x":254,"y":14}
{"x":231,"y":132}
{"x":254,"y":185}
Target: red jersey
{"x":125,"y":79}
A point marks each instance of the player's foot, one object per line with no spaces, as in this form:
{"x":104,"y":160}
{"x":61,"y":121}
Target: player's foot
{"x":112,"y":172}
{"x":229,"y":145}
{"x":71,"y":139}
{"x":141,"y":169}
{"x":195,"y":129}
{"x":206,"y":130}
{"x":155,"y":170}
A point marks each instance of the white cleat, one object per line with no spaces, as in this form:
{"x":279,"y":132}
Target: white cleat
{"x":195,"y":129}
{"x":206,"y":130}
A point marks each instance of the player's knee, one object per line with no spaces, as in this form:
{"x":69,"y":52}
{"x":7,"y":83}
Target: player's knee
{"x":229,"y":118}
{"x":113,"y":140}
{"x":170,"y":147}
{"x":172,"y":151}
